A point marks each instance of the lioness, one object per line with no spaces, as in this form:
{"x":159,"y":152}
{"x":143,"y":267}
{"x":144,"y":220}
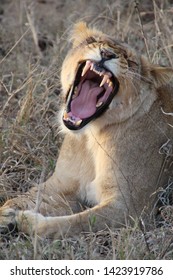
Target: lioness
{"x":116,"y":119}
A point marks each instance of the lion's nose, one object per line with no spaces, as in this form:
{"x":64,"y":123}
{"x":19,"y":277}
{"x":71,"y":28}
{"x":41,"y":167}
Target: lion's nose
{"x":106,"y":55}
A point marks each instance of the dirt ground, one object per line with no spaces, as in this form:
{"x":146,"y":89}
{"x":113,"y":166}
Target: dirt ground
{"x":33,"y":44}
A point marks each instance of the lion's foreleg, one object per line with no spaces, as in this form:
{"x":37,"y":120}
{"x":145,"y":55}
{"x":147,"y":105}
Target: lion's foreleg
{"x":96,"y":218}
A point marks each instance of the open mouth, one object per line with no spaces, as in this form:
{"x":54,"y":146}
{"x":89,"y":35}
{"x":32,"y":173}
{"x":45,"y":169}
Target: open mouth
{"x":92,"y":92}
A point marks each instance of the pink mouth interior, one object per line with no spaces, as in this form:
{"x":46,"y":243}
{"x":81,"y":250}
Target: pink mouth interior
{"x":84,"y":105}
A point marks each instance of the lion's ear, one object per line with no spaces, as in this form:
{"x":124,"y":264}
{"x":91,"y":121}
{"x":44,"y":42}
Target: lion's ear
{"x":81,"y":33}
{"x":161,"y":75}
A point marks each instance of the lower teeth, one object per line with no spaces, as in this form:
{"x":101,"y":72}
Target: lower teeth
{"x":78,"y":122}
{"x":99,"y":103}
{"x":66,"y":117}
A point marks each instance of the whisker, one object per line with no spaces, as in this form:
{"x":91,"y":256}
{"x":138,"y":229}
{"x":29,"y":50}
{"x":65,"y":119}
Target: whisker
{"x":138,"y":76}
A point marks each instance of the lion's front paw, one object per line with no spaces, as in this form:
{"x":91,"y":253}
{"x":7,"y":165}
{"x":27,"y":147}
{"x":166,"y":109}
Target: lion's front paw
{"x":30,"y":222}
{"x":27,"y":221}
{"x":7,"y":219}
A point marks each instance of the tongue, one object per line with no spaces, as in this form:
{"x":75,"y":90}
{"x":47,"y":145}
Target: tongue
{"x":84,"y":105}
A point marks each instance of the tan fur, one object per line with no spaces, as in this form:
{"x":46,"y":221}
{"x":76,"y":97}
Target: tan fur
{"x":107,"y":172}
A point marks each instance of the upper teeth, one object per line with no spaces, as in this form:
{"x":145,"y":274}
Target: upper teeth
{"x":105,"y":80}
{"x":106,"y":75}
{"x":87,"y":67}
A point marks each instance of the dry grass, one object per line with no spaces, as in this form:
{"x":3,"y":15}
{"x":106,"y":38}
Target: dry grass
{"x":33,"y":43}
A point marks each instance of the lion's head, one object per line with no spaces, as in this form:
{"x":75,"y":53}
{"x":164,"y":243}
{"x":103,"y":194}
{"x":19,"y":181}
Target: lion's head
{"x":106,"y":81}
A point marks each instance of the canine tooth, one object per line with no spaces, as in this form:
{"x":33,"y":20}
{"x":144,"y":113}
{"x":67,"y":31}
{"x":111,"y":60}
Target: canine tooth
{"x":87,"y":66}
{"x":105,"y":77}
{"x":65,"y":116}
{"x":99,"y":103}
{"x":78,"y":122}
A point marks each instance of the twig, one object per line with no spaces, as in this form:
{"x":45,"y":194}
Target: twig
{"x":15,"y":45}
{"x":42,"y":179}
{"x":142,"y":29}
{"x":33,"y":30}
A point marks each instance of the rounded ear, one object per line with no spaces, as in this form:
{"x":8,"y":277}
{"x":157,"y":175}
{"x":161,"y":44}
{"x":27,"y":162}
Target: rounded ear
{"x":81,"y":33}
{"x":161,"y":75}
